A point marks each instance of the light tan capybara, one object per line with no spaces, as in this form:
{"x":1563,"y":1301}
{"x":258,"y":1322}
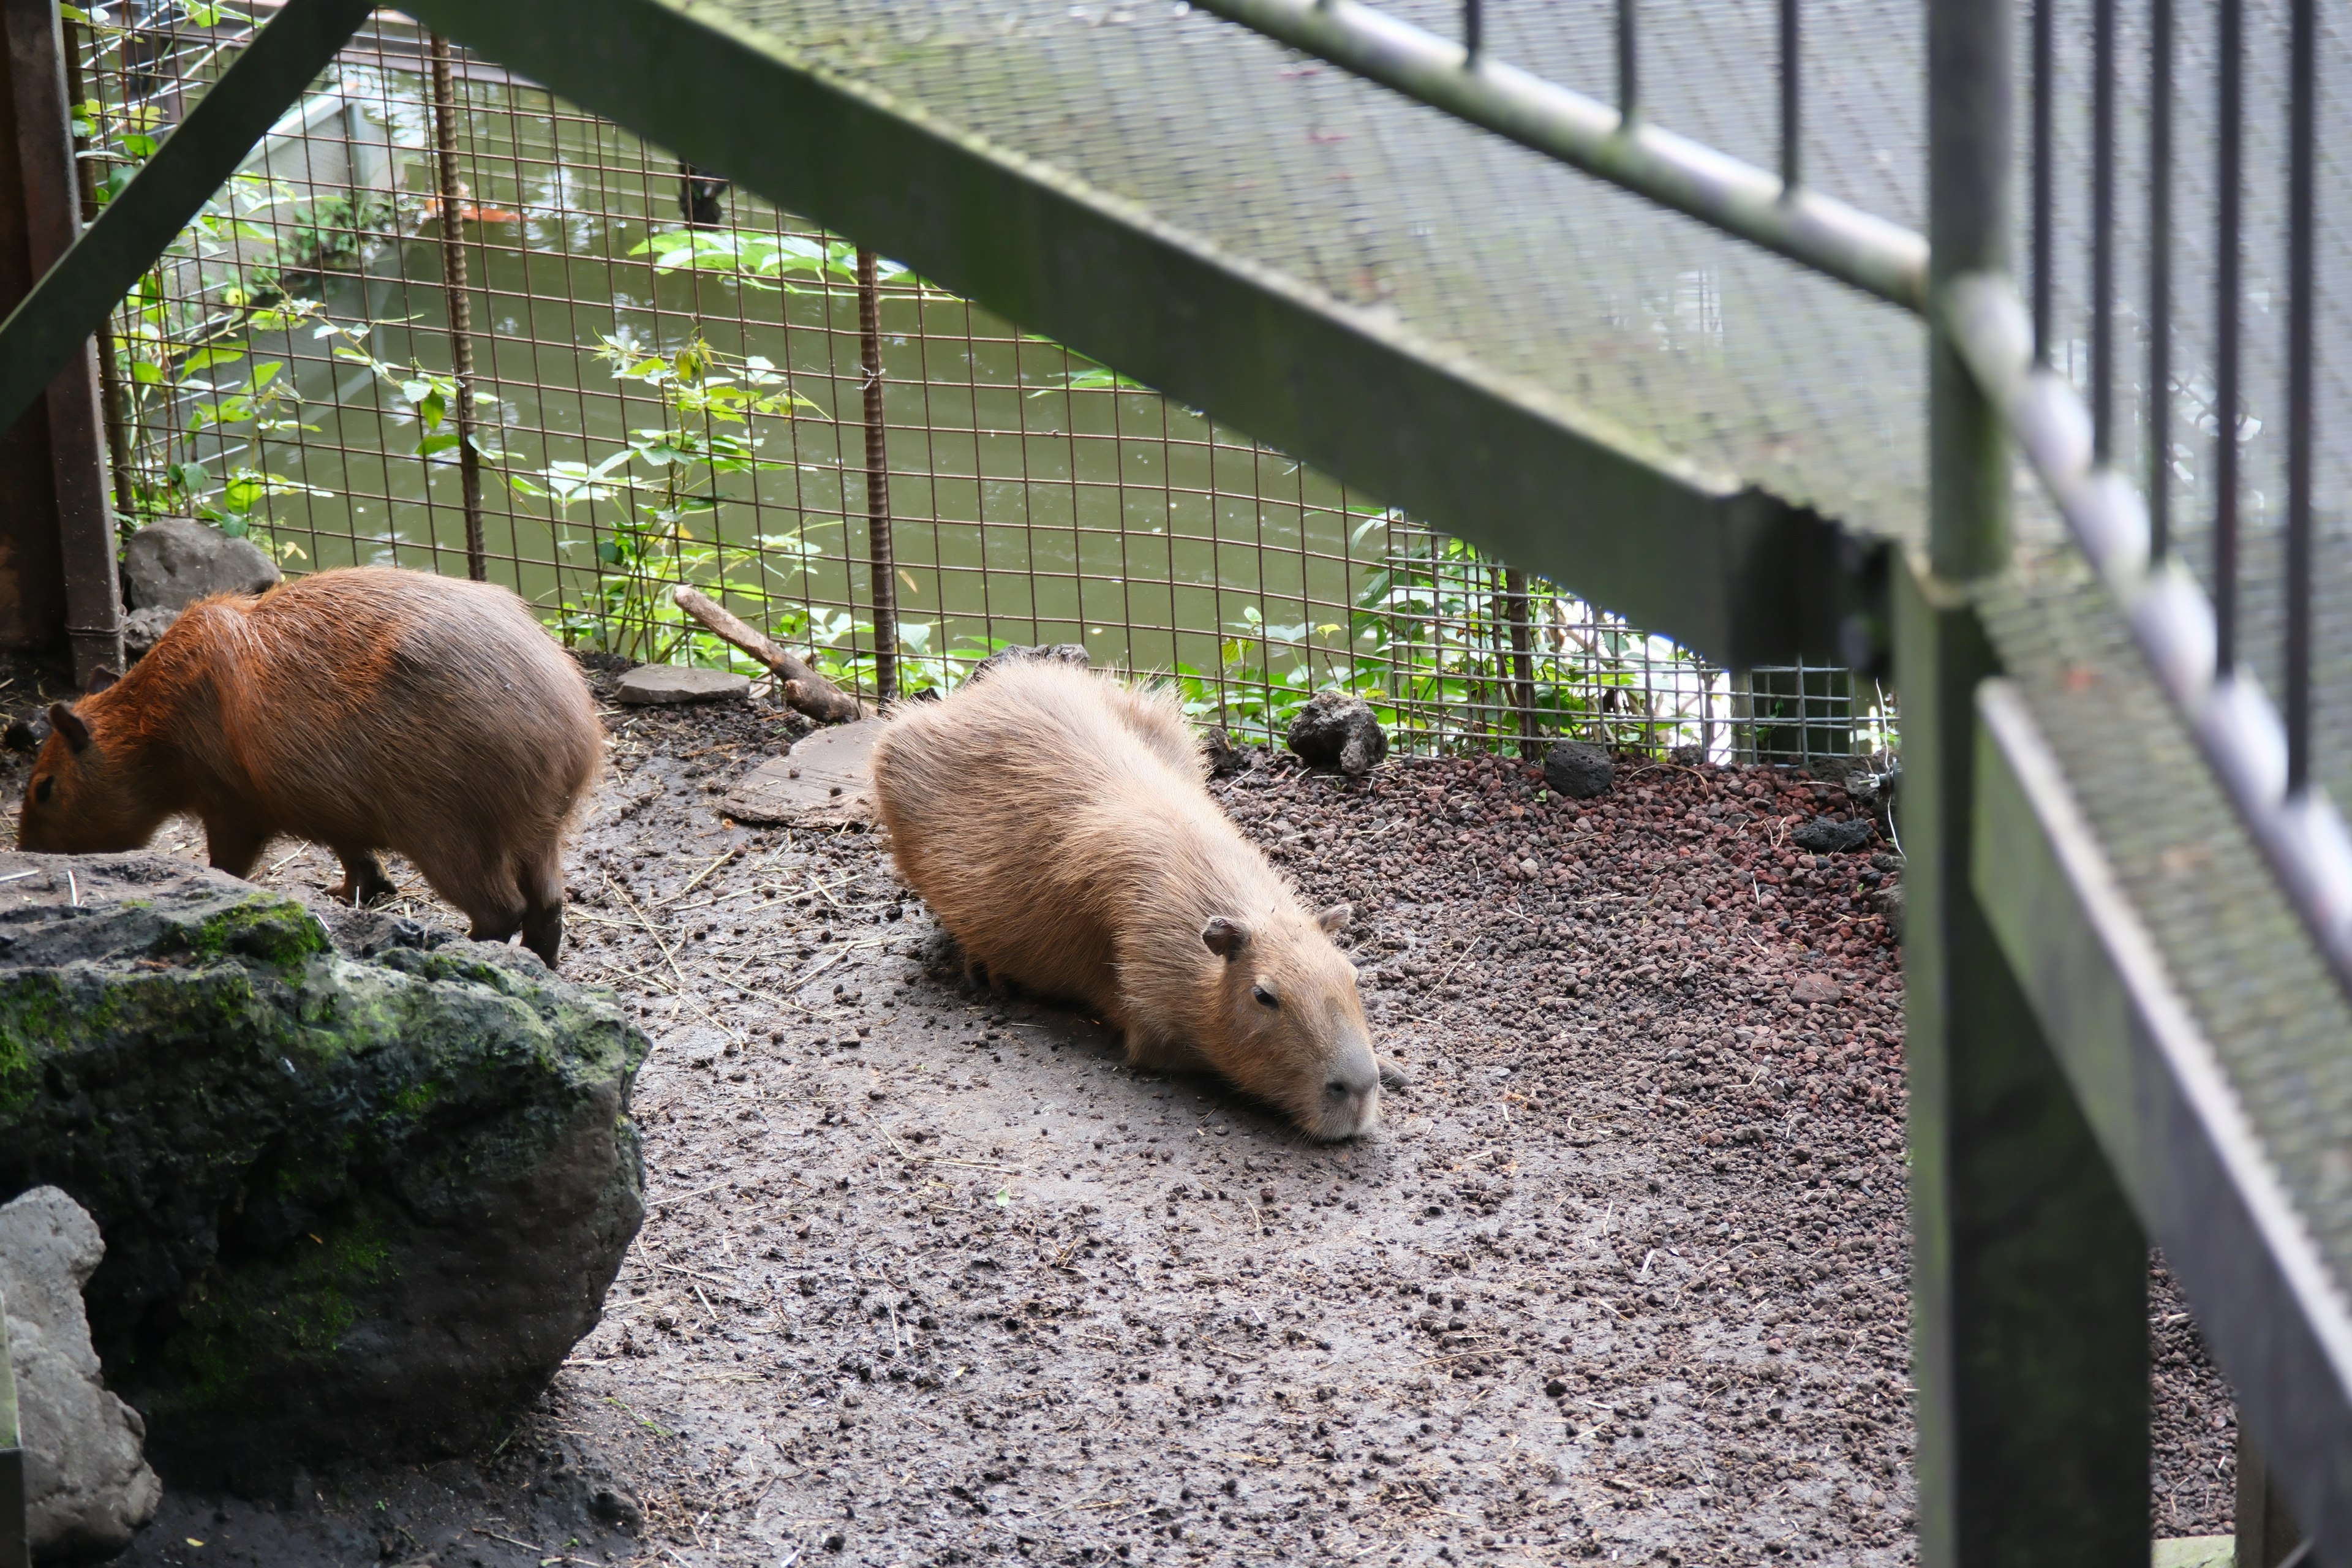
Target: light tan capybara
{"x":1057,"y":823}
{"x":366,"y":709}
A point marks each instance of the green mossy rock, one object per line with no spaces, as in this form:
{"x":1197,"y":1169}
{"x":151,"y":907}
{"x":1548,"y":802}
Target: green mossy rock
{"x":362,"y":1193}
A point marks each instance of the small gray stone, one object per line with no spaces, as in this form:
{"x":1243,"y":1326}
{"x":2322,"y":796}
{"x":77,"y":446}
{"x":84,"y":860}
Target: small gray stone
{"x":1578,"y":770}
{"x":1814,"y":986}
{"x":1820,"y":835}
{"x":174,"y":562}
{"x":87,"y":1486}
{"x":1337,"y":731}
{"x":1068,"y":653}
{"x":663,"y":683}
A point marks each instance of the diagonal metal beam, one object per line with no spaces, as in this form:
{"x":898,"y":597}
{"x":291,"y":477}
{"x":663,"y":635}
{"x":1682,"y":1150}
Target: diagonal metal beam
{"x":1545,"y":484}
{"x":50,"y":324}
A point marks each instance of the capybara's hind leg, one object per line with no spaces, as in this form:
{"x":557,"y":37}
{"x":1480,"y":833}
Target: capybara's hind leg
{"x":234,"y":845}
{"x":541,"y":883}
{"x":364,"y":881}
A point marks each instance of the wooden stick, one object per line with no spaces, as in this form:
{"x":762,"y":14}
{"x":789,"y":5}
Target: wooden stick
{"x":807,"y":691}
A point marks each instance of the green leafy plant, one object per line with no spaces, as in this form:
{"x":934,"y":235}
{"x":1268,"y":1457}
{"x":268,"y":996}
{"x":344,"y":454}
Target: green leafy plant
{"x":665,"y":484}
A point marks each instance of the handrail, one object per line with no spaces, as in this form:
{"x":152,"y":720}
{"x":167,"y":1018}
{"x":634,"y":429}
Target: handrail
{"x":1879,"y":258}
{"x":2238,"y":731}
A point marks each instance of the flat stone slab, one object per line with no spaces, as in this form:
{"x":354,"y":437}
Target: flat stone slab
{"x":651,"y":684}
{"x":826,"y":781}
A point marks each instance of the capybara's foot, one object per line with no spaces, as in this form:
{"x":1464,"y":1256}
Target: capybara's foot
{"x":1394,"y":1075}
{"x":542,"y":932}
{"x":364,"y":881}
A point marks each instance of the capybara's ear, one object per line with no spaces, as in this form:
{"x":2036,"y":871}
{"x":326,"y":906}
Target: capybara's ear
{"x":1335,"y":919}
{"x":1224,"y":937}
{"x":101,"y":678}
{"x":68,"y":722}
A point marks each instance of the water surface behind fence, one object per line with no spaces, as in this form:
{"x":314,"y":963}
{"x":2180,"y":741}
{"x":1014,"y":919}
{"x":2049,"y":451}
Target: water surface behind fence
{"x":662,"y":399}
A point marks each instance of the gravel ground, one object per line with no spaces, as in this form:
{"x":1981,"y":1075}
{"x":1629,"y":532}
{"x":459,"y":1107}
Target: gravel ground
{"x":932,"y":1277}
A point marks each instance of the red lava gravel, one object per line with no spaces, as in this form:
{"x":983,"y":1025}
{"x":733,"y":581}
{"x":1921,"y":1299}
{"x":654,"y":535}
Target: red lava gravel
{"x":932,"y":1277}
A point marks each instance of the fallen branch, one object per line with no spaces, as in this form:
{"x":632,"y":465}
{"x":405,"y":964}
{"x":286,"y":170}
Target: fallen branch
{"x":807,"y":691}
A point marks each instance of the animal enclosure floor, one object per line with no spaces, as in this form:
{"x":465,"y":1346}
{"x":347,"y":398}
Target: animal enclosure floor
{"x":933,"y":1278}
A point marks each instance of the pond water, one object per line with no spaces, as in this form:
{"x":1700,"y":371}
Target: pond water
{"x":1032,"y":498}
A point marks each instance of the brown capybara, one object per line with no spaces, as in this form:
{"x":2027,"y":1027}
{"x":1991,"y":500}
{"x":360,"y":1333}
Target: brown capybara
{"x":369,"y":709}
{"x":1057,"y":823}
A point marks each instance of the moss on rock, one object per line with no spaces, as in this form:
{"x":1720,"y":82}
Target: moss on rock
{"x":361,"y":1194}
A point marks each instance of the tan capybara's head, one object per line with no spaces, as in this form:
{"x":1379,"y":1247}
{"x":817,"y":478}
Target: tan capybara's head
{"x":76,"y":804}
{"x":1289,"y":1025}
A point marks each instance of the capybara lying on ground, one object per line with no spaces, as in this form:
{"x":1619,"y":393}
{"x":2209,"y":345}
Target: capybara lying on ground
{"x":369,"y":708}
{"x":1056,"y":821}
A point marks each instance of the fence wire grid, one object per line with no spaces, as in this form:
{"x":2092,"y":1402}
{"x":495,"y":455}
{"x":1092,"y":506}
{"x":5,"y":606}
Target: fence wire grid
{"x":668,"y":385}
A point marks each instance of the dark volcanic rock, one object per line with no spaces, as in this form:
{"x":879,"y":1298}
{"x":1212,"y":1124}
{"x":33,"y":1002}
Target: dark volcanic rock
{"x":1060,"y":653}
{"x":1225,"y":758}
{"x":1820,"y":836}
{"x":1578,"y":770}
{"x":1337,"y":731}
{"x":353,"y":1206}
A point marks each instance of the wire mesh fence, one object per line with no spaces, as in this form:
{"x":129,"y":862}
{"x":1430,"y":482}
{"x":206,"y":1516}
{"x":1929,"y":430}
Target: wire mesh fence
{"x":654,"y":379}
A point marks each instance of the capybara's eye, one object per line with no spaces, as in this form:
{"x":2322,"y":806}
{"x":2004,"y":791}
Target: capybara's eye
{"x":46,"y":790}
{"x":1264,"y":998}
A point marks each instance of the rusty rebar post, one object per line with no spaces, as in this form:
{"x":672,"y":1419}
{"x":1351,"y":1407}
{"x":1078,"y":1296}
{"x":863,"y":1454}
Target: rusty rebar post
{"x":877,"y":486}
{"x":1523,"y":662}
{"x":456,"y":302}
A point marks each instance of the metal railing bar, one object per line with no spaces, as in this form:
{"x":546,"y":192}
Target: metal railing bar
{"x":2044,"y":171}
{"x":1629,"y":75}
{"x":2103,"y":227}
{"x":1793,"y":152}
{"x":2159,"y":279}
{"x":2237,"y":730}
{"x":2231,"y":112}
{"x":2302,"y":282}
{"x":1868,"y":253}
{"x":1473,"y":33}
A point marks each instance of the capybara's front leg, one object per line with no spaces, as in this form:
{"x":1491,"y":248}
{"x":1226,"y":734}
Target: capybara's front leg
{"x":364,"y":881}
{"x":1161,"y":1053}
{"x":542,"y":932}
{"x":233,"y":845}
{"x":540,"y":882}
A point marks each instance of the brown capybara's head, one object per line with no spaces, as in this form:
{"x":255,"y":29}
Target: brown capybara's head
{"x":78,"y":801}
{"x":1289,"y":1024}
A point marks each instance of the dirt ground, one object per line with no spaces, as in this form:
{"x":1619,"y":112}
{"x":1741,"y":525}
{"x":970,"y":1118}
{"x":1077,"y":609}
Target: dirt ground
{"x":932,"y":1277}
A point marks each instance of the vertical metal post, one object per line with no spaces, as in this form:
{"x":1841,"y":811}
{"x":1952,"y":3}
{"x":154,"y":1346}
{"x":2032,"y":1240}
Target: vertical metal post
{"x":1474,"y":32}
{"x":2159,"y":277}
{"x":878,"y":543}
{"x":2231,"y":112}
{"x":1523,"y":661}
{"x":1792,"y":159}
{"x":457,"y":300}
{"x":2030,"y":1338}
{"x":2103,"y":227}
{"x":2045,"y":94}
{"x":2302,"y":318}
{"x":1629,"y":76}
{"x":2266,"y":1534}
{"x":56,"y":529}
